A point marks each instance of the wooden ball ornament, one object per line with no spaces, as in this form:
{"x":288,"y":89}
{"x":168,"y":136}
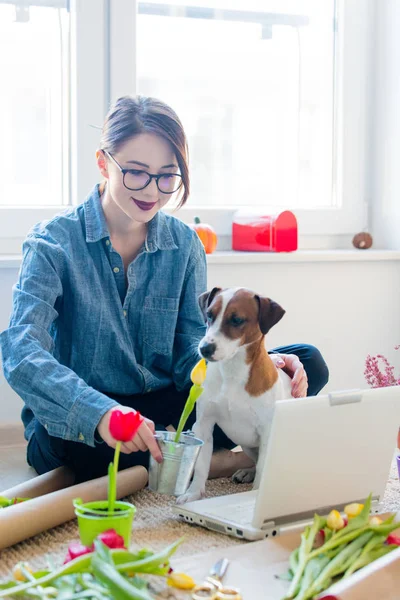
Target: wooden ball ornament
{"x":362,"y":240}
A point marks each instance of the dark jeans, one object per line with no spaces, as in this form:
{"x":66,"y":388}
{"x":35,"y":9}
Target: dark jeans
{"x":164,"y":407}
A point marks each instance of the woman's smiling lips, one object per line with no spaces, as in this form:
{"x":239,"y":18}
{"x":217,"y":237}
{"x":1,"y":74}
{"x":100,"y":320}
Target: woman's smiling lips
{"x":144,"y":205}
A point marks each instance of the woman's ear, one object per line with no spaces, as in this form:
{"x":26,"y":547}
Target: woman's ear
{"x":102,"y":163}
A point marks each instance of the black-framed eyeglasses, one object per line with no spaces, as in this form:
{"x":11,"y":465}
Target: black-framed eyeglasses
{"x":137,"y":179}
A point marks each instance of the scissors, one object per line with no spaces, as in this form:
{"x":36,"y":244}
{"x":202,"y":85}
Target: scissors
{"x":212,"y":588}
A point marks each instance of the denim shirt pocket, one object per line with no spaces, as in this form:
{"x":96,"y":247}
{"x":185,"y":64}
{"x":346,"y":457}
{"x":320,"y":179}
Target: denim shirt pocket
{"x":159,"y":323}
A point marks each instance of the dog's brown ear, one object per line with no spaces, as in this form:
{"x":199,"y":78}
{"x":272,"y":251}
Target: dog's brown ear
{"x":206,"y":298}
{"x":270,"y":313}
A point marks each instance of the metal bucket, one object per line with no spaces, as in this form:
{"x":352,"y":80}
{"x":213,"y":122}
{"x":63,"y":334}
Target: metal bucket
{"x":173,"y":475}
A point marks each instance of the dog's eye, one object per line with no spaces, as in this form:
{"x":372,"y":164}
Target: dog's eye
{"x":236,"y":321}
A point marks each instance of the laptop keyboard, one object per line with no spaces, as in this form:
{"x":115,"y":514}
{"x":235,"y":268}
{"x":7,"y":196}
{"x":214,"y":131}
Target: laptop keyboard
{"x":242,"y":513}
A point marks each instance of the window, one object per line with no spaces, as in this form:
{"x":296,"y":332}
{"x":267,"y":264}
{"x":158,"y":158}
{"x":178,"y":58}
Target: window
{"x":271,"y":94}
{"x":34,"y":104}
{"x":253,"y":84}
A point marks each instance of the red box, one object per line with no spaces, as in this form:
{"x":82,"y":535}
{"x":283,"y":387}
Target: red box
{"x":265,"y":233}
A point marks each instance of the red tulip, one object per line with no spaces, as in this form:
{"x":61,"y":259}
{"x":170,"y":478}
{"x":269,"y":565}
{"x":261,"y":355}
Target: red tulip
{"x":111,"y":539}
{"x":123,"y":426}
{"x":76,"y":549}
{"x":393,"y":539}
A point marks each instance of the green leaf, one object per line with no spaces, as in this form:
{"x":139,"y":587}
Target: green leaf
{"x":328,"y":534}
{"x":103,"y":552}
{"x":369,"y":552}
{"x":143,"y":561}
{"x":7,"y":585}
{"x":344,"y":566}
{"x":151,"y":563}
{"x":120,"y":588}
{"x":194,"y":394}
{"x":139,"y":582}
{"x":288,"y":576}
{"x":311,"y":572}
{"x":294,"y":560}
{"x":307,"y":541}
{"x":320,"y":582}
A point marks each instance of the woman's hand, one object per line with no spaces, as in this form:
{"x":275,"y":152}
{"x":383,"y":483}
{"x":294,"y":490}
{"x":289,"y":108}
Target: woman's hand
{"x":291,"y":364}
{"x":142,"y":440}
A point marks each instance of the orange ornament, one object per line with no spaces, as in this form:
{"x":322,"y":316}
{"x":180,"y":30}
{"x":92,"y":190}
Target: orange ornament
{"x":207,"y":235}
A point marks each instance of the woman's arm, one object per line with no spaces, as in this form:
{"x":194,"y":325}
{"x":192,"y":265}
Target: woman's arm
{"x":60,"y":400}
{"x":190,"y":326}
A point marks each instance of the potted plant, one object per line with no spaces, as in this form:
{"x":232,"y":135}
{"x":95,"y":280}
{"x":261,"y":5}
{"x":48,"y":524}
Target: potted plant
{"x":179,"y":450}
{"x":97,"y":517}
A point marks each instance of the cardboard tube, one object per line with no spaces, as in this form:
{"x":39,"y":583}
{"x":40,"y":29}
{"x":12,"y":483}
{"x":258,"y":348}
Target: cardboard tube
{"x":42,"y":484}
{"x":22,"y":521}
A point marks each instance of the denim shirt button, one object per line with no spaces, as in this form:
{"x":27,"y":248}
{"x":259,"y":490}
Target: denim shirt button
{"x":81,"y":437}
{"x":46,"y":426}
{"x":116,"y":269}
{"x":125,"y":313}
{"x":108,"y":242}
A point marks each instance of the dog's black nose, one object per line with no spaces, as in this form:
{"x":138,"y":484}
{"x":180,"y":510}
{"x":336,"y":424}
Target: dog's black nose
{"x":207,"y":349}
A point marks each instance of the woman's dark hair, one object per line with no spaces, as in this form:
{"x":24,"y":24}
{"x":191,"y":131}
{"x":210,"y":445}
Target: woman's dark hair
{"x":130,"y":116}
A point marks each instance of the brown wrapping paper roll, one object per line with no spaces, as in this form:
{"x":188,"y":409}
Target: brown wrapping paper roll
{"x":22,"y":521}
{"x":42,"y":484}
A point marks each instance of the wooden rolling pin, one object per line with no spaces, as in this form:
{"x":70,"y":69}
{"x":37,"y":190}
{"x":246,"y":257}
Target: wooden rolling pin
{"x":42,"y":484}
{"x":22,"y":521}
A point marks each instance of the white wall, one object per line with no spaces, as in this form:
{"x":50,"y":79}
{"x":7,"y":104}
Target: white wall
{"x":347,"y":309}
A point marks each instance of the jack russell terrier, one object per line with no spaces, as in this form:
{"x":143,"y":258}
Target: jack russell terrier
{"x":242,"y":382}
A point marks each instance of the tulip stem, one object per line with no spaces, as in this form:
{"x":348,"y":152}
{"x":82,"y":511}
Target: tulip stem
{"x":112,"y":479}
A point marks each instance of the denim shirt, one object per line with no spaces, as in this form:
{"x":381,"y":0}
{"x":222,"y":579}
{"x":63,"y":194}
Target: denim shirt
{"x":77,"y":330}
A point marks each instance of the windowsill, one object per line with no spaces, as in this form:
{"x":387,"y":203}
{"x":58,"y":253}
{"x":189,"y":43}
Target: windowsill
{"x":232,"y":257}
{"x":13,"y":261}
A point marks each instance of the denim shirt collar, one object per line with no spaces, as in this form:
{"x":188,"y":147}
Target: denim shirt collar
{"x":159,"y":236}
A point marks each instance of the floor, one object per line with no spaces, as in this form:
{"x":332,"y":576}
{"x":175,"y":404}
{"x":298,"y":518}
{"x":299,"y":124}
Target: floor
{"x":13,"y":466}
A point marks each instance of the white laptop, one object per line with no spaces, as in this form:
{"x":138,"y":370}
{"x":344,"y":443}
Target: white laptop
{"x":324,"y":452}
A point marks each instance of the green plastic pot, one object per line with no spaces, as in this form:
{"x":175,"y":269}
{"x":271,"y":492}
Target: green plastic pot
{"x":93,"y":519}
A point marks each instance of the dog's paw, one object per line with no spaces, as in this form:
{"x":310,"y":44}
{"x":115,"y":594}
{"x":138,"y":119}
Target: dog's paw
{"x":191,"y":496}
{"x":244,"y":475}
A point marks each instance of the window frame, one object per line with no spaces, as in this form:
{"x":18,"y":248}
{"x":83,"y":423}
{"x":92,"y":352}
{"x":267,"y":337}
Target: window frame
{"x":103,"y":67}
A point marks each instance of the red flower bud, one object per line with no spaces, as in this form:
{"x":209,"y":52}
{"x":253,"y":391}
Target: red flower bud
{"x":393,"y":539}
{"x":319,"y":539}
{"x":76,"y":549}
{"x":111,"y":539}
{"x":123,"y":426}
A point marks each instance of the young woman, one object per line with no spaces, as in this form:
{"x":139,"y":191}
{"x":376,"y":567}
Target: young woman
{"x":105,"y":313}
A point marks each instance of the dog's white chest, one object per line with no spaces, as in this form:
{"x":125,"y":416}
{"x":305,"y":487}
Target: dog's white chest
{"x":240,"y":416}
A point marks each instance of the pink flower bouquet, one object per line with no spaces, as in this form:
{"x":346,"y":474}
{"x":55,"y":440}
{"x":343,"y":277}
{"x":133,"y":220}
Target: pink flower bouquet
{"x":380,"y":373}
